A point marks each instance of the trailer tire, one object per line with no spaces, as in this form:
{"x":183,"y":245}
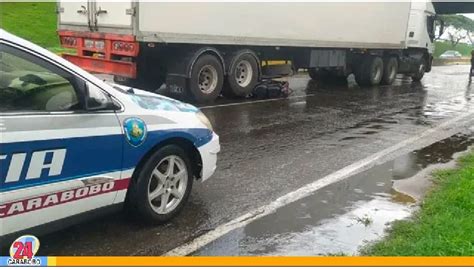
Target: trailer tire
{"x":242,"y":76}
{"x":420,"y":71}
{"x":390,"y":70}
{"x":370,"y":71}
{"x":207,"y":78}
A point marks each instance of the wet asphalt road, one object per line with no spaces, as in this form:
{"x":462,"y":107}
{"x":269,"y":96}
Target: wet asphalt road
{"x":343,"y":217}
{"x":273,"y":147}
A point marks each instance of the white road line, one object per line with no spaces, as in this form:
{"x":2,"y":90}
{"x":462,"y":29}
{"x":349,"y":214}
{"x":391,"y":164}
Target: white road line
{"x":258,"y":101}
{"x":304,"y":191}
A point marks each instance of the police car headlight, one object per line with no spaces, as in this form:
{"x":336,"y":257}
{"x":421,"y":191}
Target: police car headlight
{"x":204,"y":120}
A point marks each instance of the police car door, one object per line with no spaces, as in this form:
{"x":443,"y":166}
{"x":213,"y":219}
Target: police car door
{"x":57,"y":158}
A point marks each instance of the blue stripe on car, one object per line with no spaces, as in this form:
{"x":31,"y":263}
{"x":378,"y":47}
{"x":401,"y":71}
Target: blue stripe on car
{"x":83,"y":160}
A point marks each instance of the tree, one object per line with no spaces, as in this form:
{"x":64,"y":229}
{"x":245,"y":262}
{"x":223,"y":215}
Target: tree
{"x":463,"y":27}
{"x":457,"y":35}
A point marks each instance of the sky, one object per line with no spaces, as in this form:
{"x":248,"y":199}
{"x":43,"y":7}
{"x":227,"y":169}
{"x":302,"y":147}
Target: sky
{"x":469,"y":15}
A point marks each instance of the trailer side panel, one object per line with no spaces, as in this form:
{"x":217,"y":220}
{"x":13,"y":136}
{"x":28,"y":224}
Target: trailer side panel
{"x":360,"y":25}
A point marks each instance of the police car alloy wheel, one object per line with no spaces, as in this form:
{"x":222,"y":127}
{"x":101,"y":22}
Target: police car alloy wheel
{"x":167,"y":184}
{"x":163,"y":184}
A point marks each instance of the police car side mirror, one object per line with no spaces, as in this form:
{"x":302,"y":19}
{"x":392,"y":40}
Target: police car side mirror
{"x":96,"y":99}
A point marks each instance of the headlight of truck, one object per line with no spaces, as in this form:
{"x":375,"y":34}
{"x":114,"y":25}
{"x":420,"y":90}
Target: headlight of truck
{"x":204,"y":120}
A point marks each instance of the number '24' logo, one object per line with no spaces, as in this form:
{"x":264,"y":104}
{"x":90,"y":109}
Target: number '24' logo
{"x":25,"y":247}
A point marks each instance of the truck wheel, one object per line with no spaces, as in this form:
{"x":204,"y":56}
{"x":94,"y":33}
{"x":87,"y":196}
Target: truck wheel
{"x":420,"y":71}
{"x":163,"y":185}
{"x":370,"y":72}
{"x":207,"y":78}
{"x":242,"y":76}
{"x":390,"y":70}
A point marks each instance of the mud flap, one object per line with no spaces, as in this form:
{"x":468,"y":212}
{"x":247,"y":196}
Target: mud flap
{"x":176,"y":84}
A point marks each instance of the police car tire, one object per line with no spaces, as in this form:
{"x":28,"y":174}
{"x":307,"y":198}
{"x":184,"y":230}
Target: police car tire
{"x":213,"y":62}
{"x":139,"y":188}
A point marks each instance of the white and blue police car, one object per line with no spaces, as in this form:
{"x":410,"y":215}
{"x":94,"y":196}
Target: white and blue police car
{"x":71,"y":144}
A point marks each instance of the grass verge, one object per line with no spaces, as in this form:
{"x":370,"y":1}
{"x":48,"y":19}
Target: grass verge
{"x":444,"y":226}
{"x":441,"y":47}
{"x":33,"y":21}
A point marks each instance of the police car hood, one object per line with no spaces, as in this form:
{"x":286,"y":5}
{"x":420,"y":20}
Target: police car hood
{"x":153,"y":101}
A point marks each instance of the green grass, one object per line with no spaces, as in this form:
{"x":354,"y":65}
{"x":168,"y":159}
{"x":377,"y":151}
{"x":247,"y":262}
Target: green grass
{"x":34,"y":21}
{"x":440,"y":47}
{"x":444,"y":226}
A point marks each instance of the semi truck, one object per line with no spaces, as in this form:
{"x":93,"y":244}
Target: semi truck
{"x":206,"y":49}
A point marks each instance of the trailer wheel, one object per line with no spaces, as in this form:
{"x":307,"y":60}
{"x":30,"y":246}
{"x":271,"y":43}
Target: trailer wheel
{"x":370,"y":72}
{"x":420,"y":71}
{"x":390,"y":70}
{"x":207,"y":78}
{"x":242,"y":76}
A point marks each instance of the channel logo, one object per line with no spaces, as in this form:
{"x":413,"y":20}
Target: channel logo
{"x":23,"y":251}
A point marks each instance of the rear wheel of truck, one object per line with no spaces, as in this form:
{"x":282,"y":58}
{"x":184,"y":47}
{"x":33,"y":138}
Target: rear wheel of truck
{"x":207,"y":78}
{"x":390,"y":70}
{"x":242,"y":76}
{"x":370,"y":71}
{"x":420,"y":71}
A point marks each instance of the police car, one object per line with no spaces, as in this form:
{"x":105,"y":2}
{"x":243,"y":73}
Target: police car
{"x":71,"y":144}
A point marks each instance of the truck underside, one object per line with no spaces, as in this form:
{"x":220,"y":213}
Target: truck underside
{"x":200,"y":71}
{"x":148,"y":44}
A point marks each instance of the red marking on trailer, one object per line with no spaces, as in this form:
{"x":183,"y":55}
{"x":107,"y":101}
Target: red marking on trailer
{"x":112,"y":61}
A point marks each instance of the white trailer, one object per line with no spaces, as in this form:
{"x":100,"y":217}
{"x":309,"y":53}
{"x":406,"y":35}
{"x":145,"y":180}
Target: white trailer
{"x":196,"y":47}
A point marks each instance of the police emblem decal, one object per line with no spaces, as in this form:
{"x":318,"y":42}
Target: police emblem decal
{"x":135,"y":131}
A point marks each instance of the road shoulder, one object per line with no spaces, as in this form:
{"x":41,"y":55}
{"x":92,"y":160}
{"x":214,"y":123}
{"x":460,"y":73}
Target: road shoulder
{"x":443,"y":225}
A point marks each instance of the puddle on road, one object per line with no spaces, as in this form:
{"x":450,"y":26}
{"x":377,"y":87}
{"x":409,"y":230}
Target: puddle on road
{"x":419,"y":115}
{"x":342,"y":217}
